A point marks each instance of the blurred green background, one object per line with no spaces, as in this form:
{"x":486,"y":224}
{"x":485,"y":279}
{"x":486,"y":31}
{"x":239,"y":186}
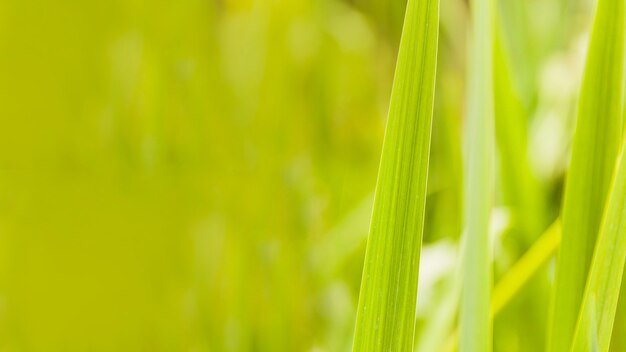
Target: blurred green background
{"x":197,"y":175}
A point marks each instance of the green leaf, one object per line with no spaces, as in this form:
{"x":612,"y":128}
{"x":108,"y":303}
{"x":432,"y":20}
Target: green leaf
{"x":595,"y":147}
{"x":386,"y":311}
{"x":605,"y":276}
{"x":475,"y":324}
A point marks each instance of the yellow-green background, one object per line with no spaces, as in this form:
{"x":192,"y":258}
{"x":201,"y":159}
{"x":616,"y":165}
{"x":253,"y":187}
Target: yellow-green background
{"x":197,"y":175}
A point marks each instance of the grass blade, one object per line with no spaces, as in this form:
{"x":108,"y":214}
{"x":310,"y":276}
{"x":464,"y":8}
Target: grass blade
{"x":605,"y":276}
{"x":595,"y":147}
{"x":475,"y":325}
{"x":386,"y":311}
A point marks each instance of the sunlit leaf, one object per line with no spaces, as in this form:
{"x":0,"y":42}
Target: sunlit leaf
{"x":595,"y":147}
{"x":605,"y":276}
{"x":386,"y":311}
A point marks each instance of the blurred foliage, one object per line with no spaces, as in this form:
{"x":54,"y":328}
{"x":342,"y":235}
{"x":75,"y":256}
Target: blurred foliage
{"x":198,"y":174}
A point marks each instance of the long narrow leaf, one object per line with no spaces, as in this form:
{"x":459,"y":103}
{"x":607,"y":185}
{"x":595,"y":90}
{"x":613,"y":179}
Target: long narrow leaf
{"x":595,"y":147}
{"x":386,"y":311}
{"x":607,"y":268}
{"x":475,"y":324}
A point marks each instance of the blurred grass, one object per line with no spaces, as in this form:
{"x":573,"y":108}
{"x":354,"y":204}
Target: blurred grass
{"x":166,"y":166}
{"x":173,"y":174}
{"x":476,"y":326}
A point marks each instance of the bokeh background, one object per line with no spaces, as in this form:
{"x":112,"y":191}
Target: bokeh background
{"x":198,"y":175}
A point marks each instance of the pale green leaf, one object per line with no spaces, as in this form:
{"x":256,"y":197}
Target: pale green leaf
{"x":475,"y":324}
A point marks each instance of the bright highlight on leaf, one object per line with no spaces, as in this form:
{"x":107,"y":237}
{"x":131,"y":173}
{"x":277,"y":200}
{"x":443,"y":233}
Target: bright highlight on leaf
{"x":386,"y":311}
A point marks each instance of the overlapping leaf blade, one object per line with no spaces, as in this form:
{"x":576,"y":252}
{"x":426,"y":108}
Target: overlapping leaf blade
{"x":595,"y":147}
{"x":605,"y":276}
